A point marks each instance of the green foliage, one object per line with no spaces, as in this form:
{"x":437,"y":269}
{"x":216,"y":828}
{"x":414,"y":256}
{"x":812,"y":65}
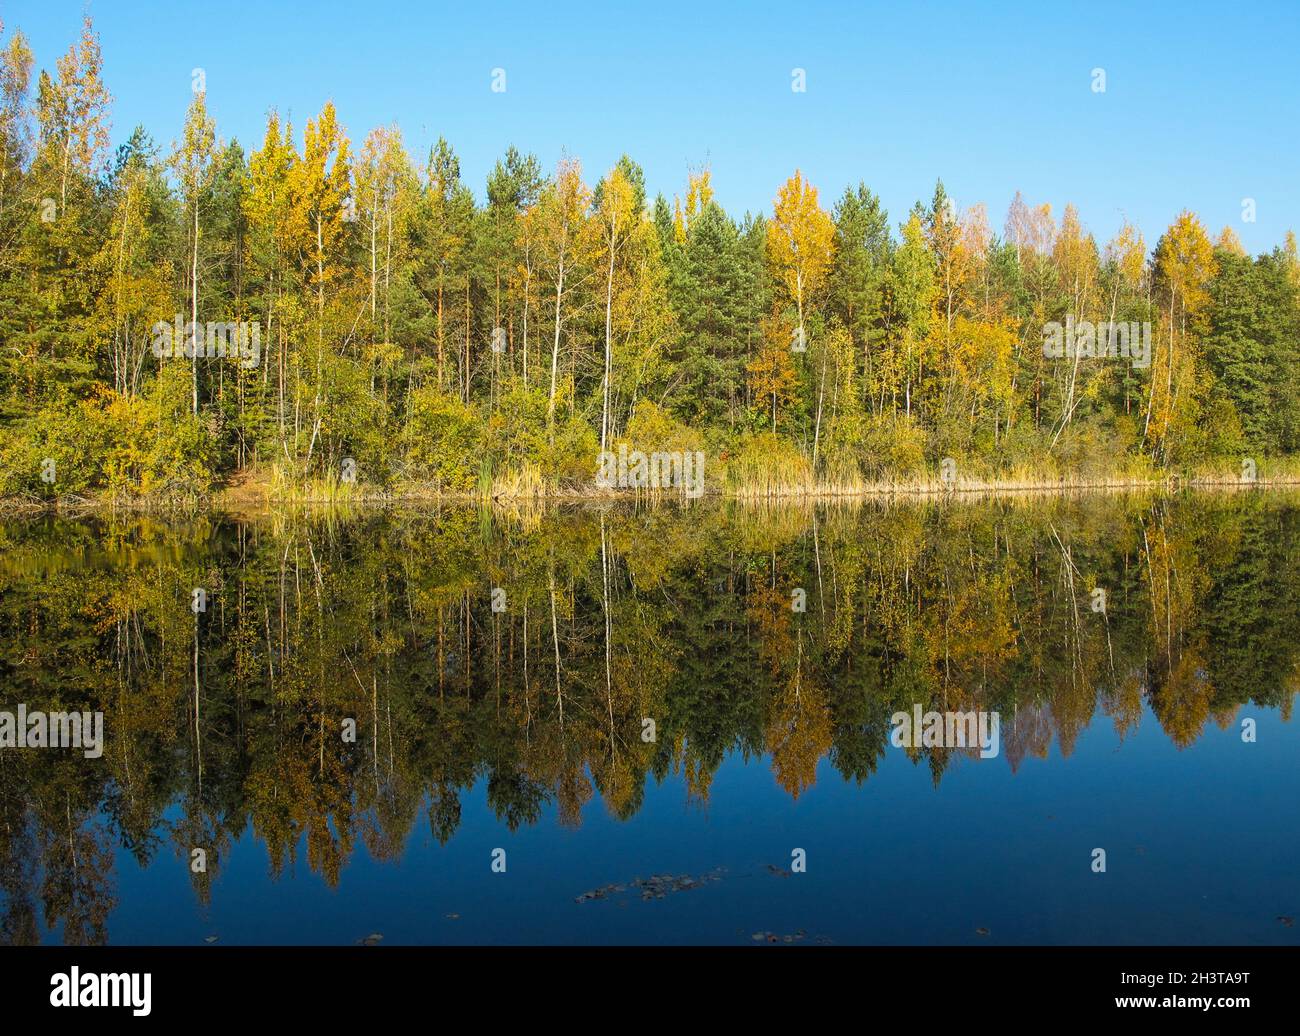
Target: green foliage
{"x":1251,"y":350}
{"x":113,"y":444}
{"x":441,"y":441}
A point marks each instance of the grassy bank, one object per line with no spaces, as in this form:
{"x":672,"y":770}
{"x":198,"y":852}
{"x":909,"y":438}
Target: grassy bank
{"x":251,"y":491}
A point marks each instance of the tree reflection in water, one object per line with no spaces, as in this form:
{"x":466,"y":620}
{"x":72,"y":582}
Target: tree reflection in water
{"x":688,"y":616}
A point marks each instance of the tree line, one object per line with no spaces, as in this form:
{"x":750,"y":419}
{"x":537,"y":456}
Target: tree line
{"x":415,"y":334}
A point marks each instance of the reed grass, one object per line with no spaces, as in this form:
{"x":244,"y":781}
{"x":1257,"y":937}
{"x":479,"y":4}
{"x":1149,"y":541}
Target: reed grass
{"x":751,"y":478}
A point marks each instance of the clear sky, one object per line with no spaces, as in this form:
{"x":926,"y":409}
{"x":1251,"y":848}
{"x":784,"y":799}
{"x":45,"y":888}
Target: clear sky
{"x":1199,"y":109}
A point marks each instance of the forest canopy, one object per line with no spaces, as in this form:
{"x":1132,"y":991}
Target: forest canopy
{"x":378,"y":322}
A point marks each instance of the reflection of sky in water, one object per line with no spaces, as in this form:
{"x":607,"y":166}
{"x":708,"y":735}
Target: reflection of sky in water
{"x":1202,"y":847}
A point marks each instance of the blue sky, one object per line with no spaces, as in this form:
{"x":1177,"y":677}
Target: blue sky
{"x":1199,"y":109}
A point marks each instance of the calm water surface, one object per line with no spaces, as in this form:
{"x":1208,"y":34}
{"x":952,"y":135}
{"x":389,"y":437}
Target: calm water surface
{"x":499,"y":669}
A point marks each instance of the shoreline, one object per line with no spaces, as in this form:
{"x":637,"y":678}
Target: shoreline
{"x":236,"y":502}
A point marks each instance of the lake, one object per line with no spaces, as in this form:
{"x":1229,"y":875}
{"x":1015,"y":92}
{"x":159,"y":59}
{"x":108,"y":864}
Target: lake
{"x":677,"y":723}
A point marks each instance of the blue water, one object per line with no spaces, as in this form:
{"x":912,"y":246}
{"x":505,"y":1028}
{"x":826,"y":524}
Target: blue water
{"x":1202,"y":847}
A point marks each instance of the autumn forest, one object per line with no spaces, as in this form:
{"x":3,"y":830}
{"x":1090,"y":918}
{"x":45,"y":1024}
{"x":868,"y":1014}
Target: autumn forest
{"x":414,"y":336}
